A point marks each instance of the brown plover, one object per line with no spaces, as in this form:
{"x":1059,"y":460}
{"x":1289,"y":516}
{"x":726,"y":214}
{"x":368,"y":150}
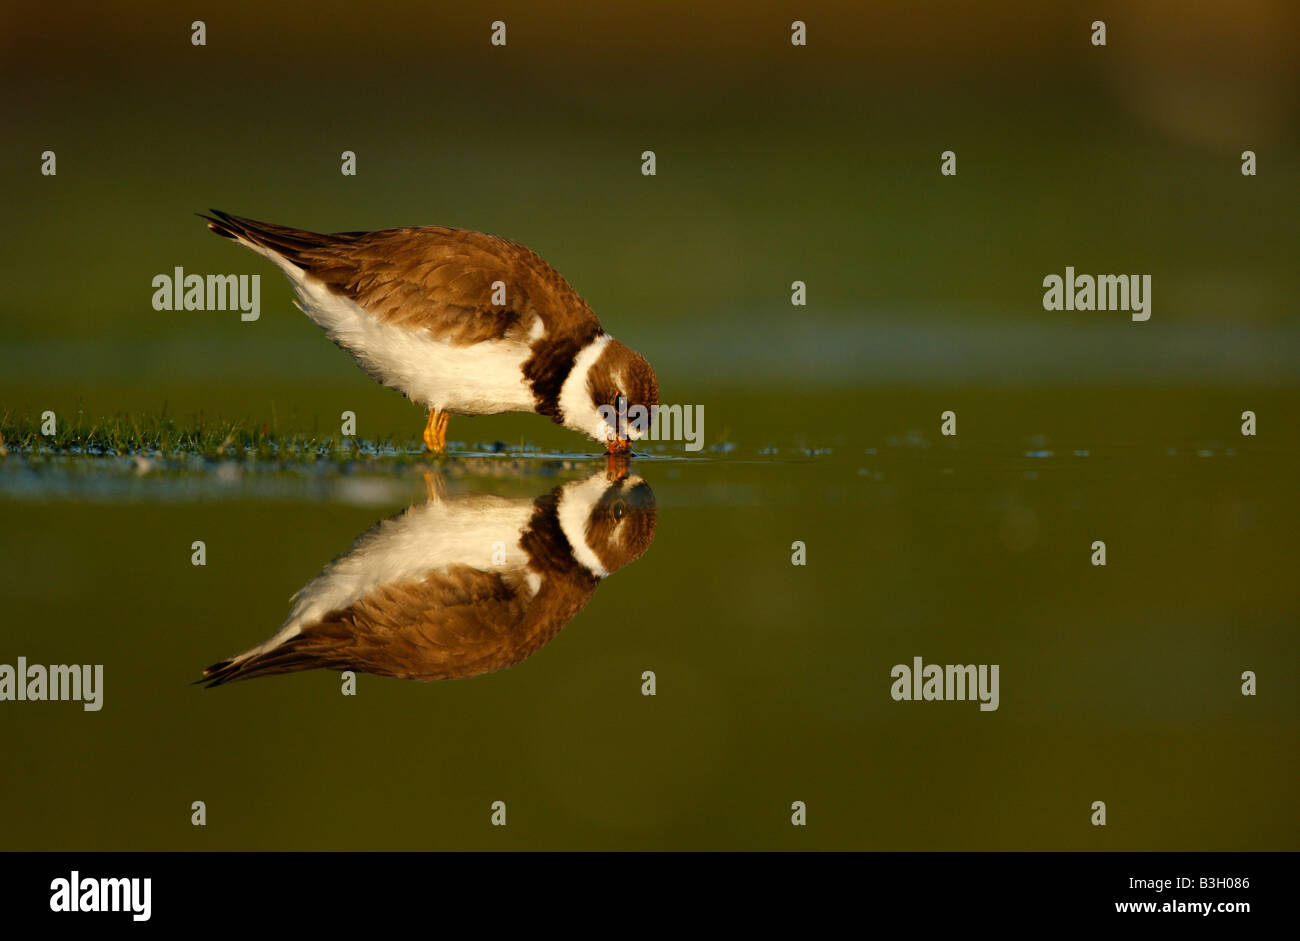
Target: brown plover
{"x":461,"y":323}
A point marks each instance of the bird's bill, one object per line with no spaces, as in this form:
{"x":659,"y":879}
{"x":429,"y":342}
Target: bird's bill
{"x":619,"y":445}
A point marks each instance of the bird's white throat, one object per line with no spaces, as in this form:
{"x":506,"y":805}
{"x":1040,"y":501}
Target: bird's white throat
{"x":576,"y":410}
{"x":577,"y":500}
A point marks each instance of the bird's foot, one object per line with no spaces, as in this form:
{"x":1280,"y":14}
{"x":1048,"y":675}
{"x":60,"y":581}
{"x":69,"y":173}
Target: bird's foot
{"x":435,"y":432}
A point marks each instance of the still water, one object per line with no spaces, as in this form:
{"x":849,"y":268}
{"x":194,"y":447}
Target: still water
{"x":771,"y":680}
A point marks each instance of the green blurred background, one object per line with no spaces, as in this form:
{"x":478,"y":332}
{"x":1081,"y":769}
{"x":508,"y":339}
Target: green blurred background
{"x":775,"y":163}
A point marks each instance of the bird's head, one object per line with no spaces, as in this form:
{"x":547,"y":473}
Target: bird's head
{"x":610,"y":394}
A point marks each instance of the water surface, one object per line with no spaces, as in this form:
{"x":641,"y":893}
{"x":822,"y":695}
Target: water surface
{"x":1118,"y":683}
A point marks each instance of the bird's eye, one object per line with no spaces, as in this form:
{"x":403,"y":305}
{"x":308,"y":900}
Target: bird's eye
{"x":619,"y":509}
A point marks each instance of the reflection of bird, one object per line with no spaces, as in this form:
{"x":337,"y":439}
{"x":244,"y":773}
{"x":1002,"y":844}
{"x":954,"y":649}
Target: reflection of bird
{"x":460,"y":322}
{"x":458,"y":587}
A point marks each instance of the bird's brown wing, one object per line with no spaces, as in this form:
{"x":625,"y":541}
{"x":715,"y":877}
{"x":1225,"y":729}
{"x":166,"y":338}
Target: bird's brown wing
{"x":431,"y":277}
{"x":454,"y":623}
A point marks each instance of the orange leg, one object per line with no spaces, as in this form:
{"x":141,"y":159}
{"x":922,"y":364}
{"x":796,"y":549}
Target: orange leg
{"x":434,"y":485}
{"x":435,"y":431}
{"x":616,"y":465}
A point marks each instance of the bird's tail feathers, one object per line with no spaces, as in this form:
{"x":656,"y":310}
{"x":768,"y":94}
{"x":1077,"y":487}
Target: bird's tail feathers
{"x":289,"y":657}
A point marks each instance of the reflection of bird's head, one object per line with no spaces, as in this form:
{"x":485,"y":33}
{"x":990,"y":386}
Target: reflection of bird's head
{"x":608,"y":523}
{"x":622,"y":523}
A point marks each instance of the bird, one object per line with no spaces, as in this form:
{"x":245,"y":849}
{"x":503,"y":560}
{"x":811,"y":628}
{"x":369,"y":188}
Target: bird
{"x":458,"y":587}
{"x":461,"y":323}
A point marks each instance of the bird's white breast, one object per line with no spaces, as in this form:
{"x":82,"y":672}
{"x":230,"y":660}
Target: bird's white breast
{"x":481,"y":378}
{"x":427,"y":538}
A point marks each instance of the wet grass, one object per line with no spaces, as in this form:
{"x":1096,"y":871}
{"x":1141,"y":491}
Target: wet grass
{"x":130,"y":458}
{"x":162,"y":437}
